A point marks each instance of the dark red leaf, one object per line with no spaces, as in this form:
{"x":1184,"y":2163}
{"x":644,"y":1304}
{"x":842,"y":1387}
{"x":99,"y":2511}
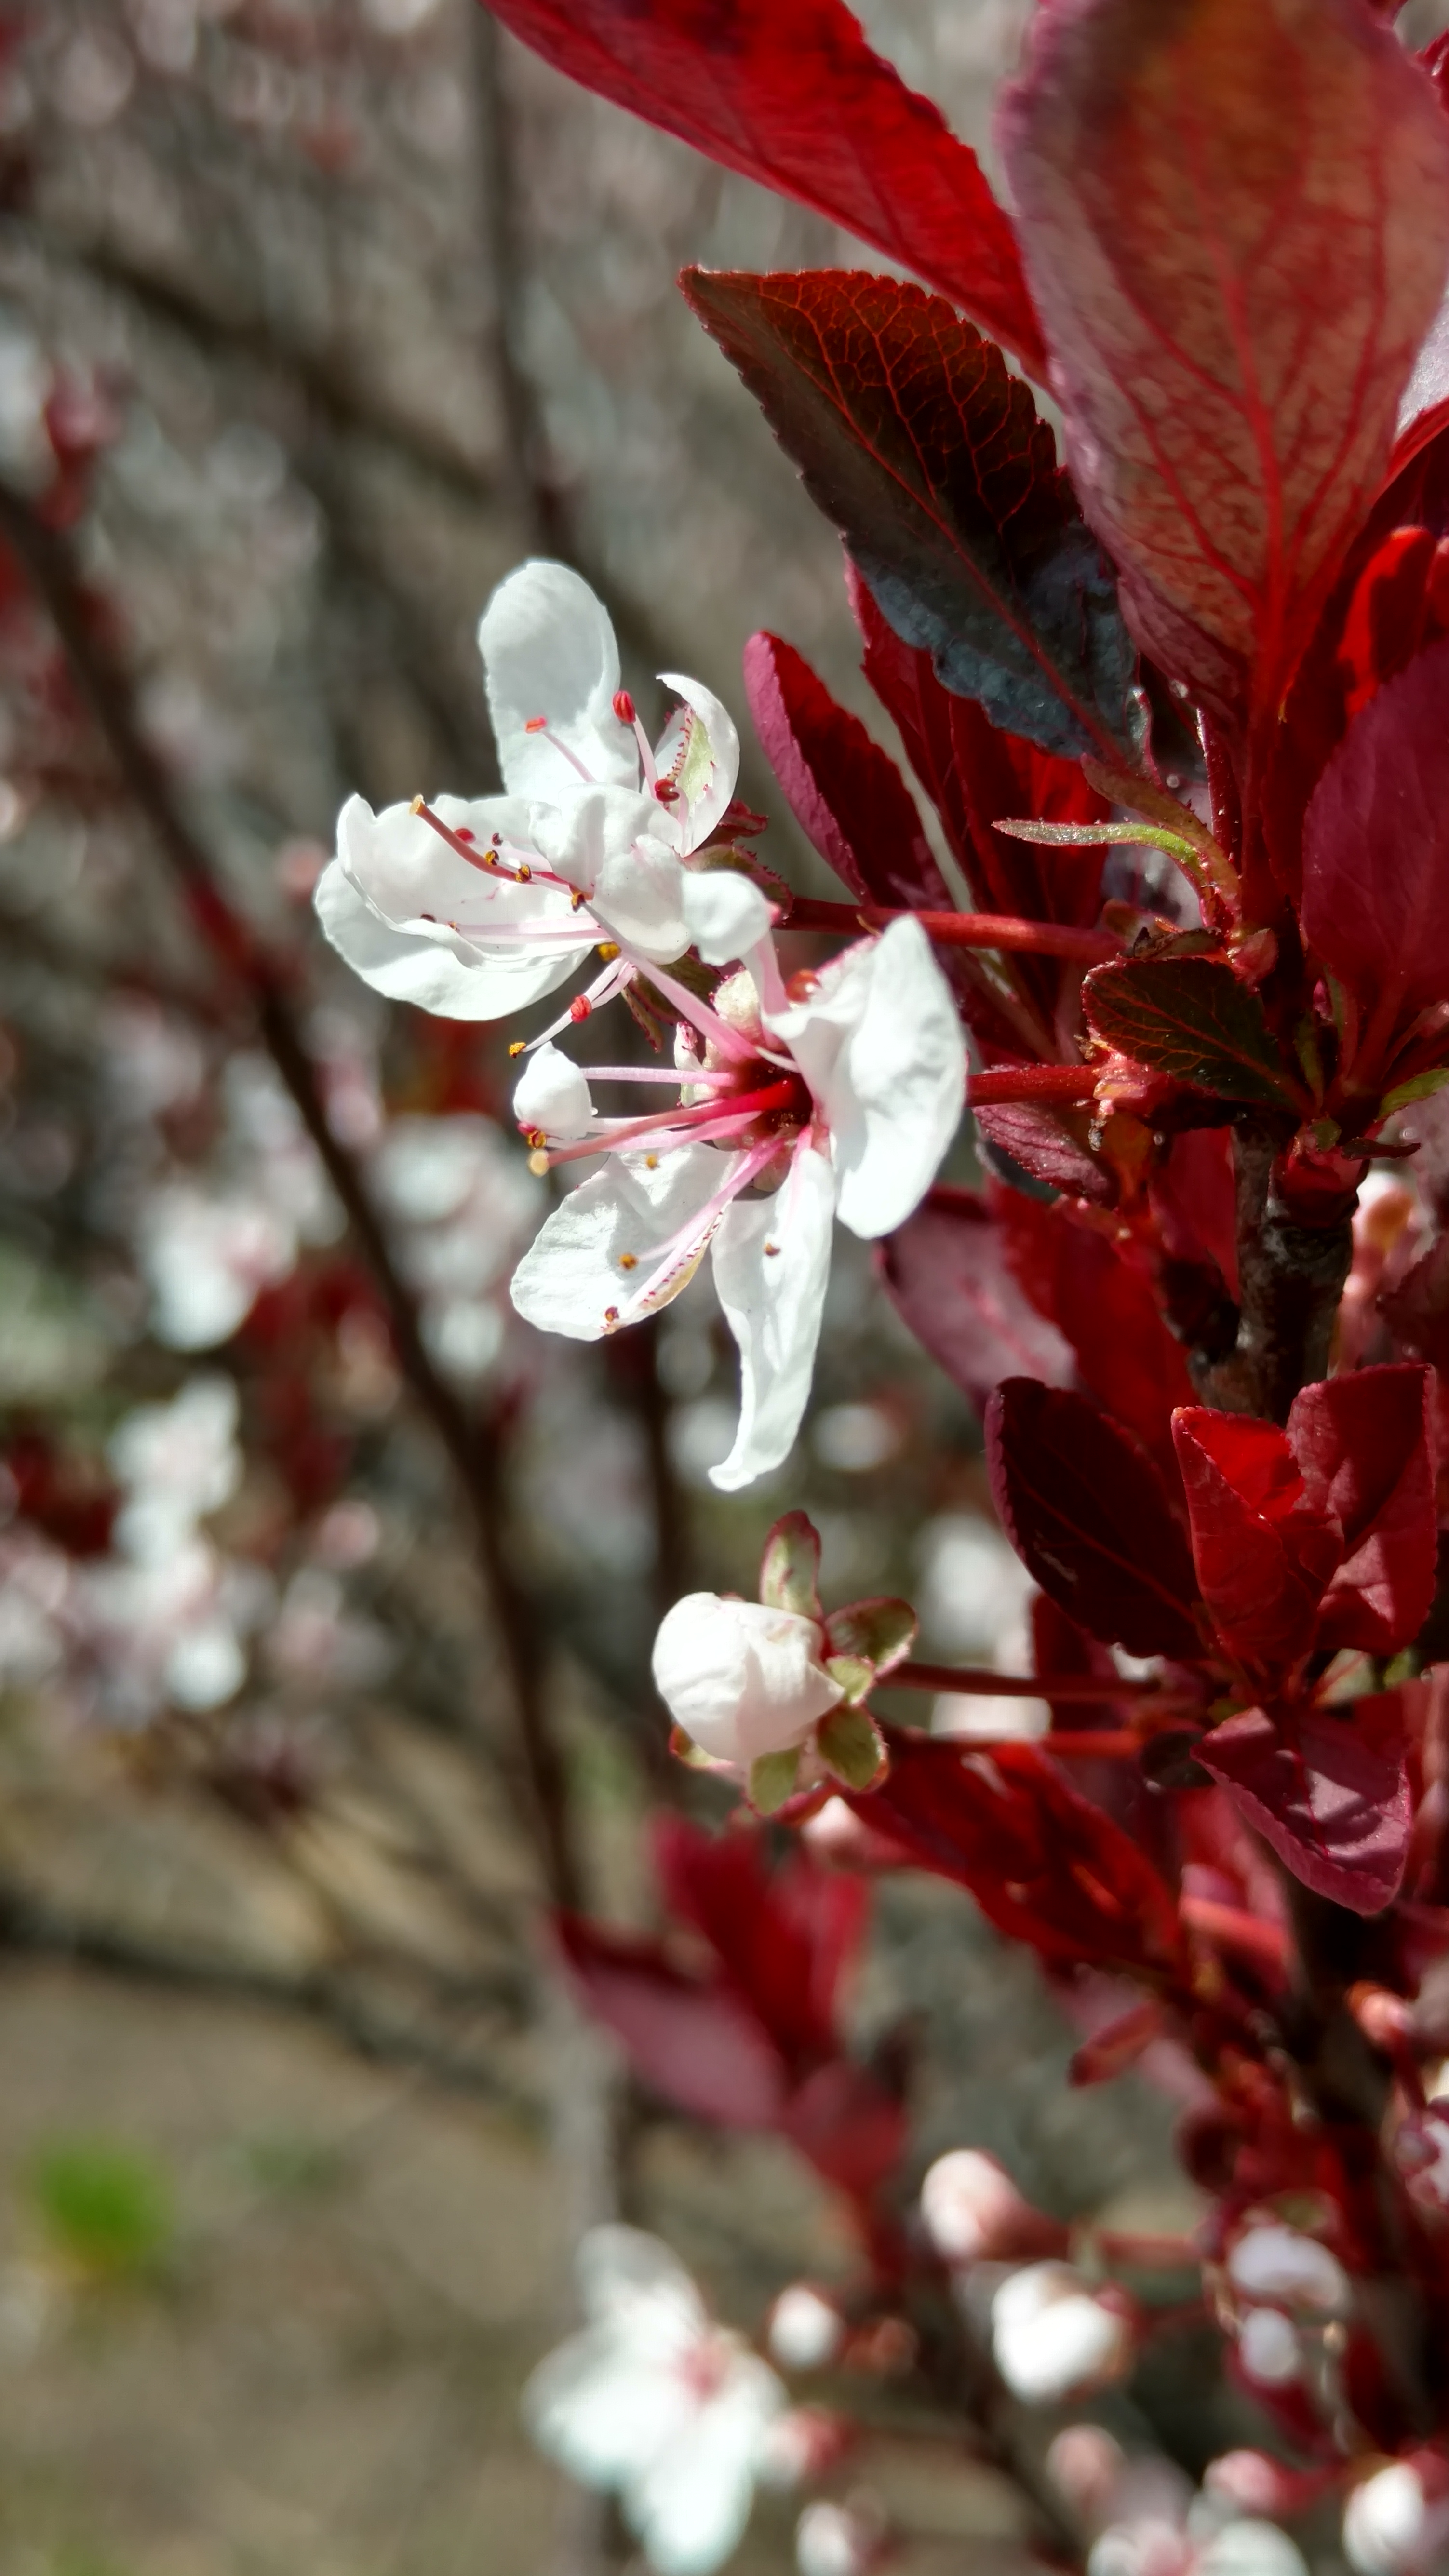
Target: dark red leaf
{"x":847,"y":795}
{"x":849,"y":2127}
{"x":1194,"y":1200}
{"x":1106,"y":1309}
{"x":1052,"y":1146}
{"x":1386,"y":614}
{"x":784,"y":1937}
{"x":1376,"y":844}
{"x":1362,"y":1442}
{"x":1192,"y":1018}
{"x":1089,"y":1516}
{"x":1043,"y":1864}
{"x":789,"y":93}
{"x":1329,"y":1794}
{"x":948,"y":1276}
{"x":930,"y":459}
{"x":1235,"y":215}
{"x":1263,"y":1552}
{"x":693,"y":2041}
{"x":975,"y":776}
{"x":1417,"y":1310}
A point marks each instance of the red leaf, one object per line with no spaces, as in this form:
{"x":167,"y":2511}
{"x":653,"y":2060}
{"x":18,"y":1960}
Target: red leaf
{"x":1362,"y":1442}
{"x":1126,"y":1356}
{"x":1376,"y":844}
{"x":1089,"y":1516}
{"x":695,"y":2042}
{"x":949,"y":1277}
{"x":852,"y":2131}
{"x":847,"y":795}
{"x":784,"y":1938}
{"x":1235,"y":215}
{"x":1418,"y":1308}
{"x":1050,"y":1145}
{"x":1110,"y":2052}
{"x":1329,"y":1794}
{"x":1386,"y":614}
{"x":1194,"y":1200}
{"x":1043,"y":1865}
{"x":1263,"y":1551}
{"x":789,"y":93}
{"x":930,"y":459}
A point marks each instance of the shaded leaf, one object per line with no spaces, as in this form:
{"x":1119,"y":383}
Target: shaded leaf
{"x":1362,"y":1442}
{"x":1376,"y":844}
{"x":1263,"y":1551}
{"x":772,"y":1780}
{"x":1417,"y":1310}
{"x":696,"y":2043}
{"x":930,"y":459}
{"x":846,"y":794}
{"x":1235,"y":215}
{"x":1050,"y":1145}
{"x":1089,"y":1516}
{"x":882,"y":1631}
{"x":1126,"y":1356}
{"x":1189,"y":1017}
{"x":1043,"y":1864}
{"x":850,"y":1746}
{"x":1330,"y":1795}
{"x":848,"y":2126}
{"x":950,"y":1279}
{"x":789,"y":93}
{"x":786,"y":1936}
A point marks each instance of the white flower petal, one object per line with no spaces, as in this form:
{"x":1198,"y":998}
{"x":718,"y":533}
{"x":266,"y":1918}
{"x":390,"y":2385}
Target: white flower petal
{"x":432,"y":968}
{"x":725,"y":914}
{"x":773,"y":1300}
{"x":639,"y":896}
{"x":573,"y":1272}
{"x":700,"y":749}
{"x":548,"y":650}
{"x":880,"y":1044}
{"x":690,"y":2505}
{"x":631,"y":2281}
{"x":601,"y":2412}
{"x":554,"y":1095}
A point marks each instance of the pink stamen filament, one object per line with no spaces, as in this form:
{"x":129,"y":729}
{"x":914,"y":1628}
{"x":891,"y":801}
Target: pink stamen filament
{"x":682,"y":1077}
{"x":705,"y":1124}
{"x":487,"y":861}
{"x":698,"y":1228}
{"x":615,"y":976}
{"x":540,"y":726}
{"x":711,"y":1027}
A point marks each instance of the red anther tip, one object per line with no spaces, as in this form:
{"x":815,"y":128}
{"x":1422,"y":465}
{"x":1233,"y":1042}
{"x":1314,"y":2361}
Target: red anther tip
{"x":536,"y":724}
{"x":624,"y":706}
{"x":580,"y":1007}
{"x":462,"y":833}
{"x":666,"y":791}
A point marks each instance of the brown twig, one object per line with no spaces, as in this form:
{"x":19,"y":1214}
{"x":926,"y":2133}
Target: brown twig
{"x":471,"y":1445}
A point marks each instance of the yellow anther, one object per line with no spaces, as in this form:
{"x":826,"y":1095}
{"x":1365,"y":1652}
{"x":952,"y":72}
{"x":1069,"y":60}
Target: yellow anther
{"x":538,"y":1165}
{"x":608,"y":950}
{"x":517,"y":1045}
{"x":628,"y":1260}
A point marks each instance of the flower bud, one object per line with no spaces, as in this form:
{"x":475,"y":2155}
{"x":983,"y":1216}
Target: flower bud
{"x":553,"y":1096}
{"x":839,"y":2539}
{"x":1052,"y":2338}
{"x":1279,"y":2264}
{"x":1085,"y":2463}
{"x":974,"y":2213}
{"x":1421,"y":2152}
{"x":805,"y":2331}
{"x":803,"y":2445}
{"x":1251,"y":2482}
{"x":740,"y":1678}
{"x":1390,"y":2527}
{"x":1268,"y":2348}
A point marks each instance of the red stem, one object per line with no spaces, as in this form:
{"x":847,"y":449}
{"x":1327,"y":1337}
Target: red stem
{"x":1065,"y":1082}
{"x":1232,"y":1929}
{"x":975,"y":1683}
{"x":961,"y":929}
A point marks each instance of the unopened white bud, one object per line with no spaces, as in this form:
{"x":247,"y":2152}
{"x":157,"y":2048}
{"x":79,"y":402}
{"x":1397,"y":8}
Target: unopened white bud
{"x":1389,"y":2526}
{"x":838,"y":2539}
{"x":1268,"y":2348}
{"x":1084,"y":2464}
{"x":740,"y":1678}
{"x":805,"y":2332}
{"x":553,"y":1096}
{"x":1250,"y":2548}
{"x":972,"y":2208}
{"x":1421,"y":2152}
{"x":1248,"y":2480}
{"x":1293,"y":2270}
{"x":1052,"y":2339}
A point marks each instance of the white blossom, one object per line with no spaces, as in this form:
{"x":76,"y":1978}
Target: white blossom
{"x":839,"y":1101}
{"x":971,"y":2208}
{"x":475,"y":909}
{"x":1052,"y":2338}
{"x":1282,"y":2266}
{"x":742,"y":1679}
{"x":805,"y":2331}
{"x":1392,"y":2526}
{"x":656,"y":2404}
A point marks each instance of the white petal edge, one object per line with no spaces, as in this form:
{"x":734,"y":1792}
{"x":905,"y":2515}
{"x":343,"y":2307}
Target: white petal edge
{"x":711,"y":801}
{"x":548,"y":650}
{"x":905,"y":1064}
{"x":433,"y":969}
{"x":773,"y":1302}
{"x":725,"y":914}
{"x":573,"y":1273}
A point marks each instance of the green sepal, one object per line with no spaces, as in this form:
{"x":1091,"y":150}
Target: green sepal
{"x":684,"y":1749}
{"x":790,"y":1566}
{"x":881,"y":1632}
{"x":772,"y":1780}
{"x":852,"y":1747}
{"x":855,"y":1675}
{"x":1420,"y":1086}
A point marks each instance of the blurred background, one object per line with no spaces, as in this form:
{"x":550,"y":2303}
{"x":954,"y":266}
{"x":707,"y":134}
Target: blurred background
{"x":316,"y":316}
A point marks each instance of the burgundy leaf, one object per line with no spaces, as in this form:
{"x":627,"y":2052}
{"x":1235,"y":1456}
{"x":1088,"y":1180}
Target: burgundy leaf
{"x":1089,"y":1516}
{"x":1330,"y":1795}
{"x":1193,"y":1194}
{"x":949,"y":1277}
{"x":848,"y":2126}
{"x":930,"y":459}
{"x":1126,"y":1356}
{"x":1235,"y":215}
{"x":1052,"y":1146}
{"x":789,"y":93}
{"x":1043,"y":1864}
{"x":784,"y":1938}
{"x":977,"y":776}
{"x":1263,"y":1551}
{"x":1376,"y":845}
{"x":1362,"y":1442}
{"x":695,"y":2042}
{"x":1192,"y":1018}
{"x":847,"y":795}
{"x":1417,"y":1310}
